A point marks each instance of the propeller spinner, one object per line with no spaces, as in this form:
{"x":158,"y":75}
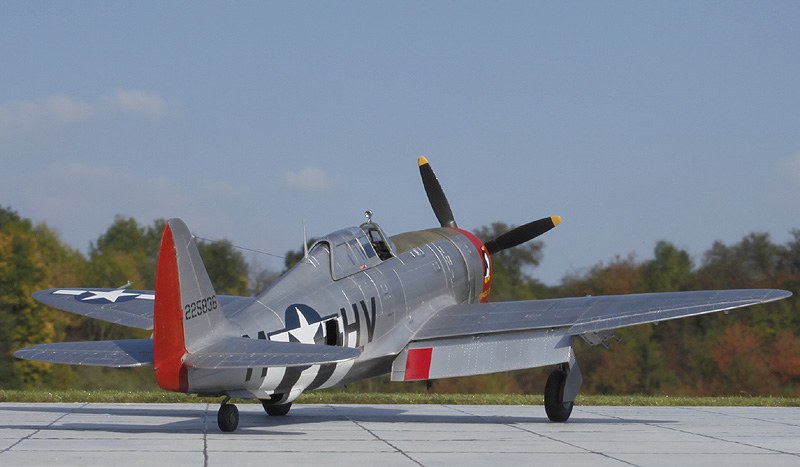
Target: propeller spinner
{"x":444,"y":214}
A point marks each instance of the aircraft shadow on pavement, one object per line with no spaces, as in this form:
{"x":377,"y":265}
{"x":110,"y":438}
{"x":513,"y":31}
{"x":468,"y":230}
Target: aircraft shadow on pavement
{"x":200,"y":421}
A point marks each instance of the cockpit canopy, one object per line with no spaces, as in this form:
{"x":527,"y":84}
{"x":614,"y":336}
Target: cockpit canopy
{"x":356,"y":249}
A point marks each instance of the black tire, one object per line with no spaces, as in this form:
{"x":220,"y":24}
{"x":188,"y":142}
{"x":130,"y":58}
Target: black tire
{"x":228,"y":417}
{"x":276,"y":410}
{"x":557,"y":410}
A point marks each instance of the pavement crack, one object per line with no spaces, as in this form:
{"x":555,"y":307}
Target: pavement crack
{"x":373,"y":434}
{"x":205,"y":435}
{"x":740,"y":443}
{"x":717,"y":412}
{"x":49,"y":425}
{"x":517,"y":427}
{"x":704,"y":435}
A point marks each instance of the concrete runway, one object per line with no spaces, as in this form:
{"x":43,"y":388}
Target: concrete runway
{"x":404,"y":435}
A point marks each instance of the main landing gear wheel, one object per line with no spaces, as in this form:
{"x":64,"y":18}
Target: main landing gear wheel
{"x":276,"y":410}
{"x":557,"y":410}
{"x":228,"y":416}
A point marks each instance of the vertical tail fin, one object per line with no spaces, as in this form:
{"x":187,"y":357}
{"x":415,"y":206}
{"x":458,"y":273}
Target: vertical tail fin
{"x":186,"y":309}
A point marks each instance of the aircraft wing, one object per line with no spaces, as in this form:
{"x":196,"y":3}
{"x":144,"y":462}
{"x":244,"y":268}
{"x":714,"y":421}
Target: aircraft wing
{"x":132,"y":308}
{"x":117,"y":353}
{"x":581,"y":315}
{"x":242,"y":352}
{"x":481,"y":338}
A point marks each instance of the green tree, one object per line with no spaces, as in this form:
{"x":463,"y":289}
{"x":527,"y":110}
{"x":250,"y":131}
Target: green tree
{"x":634,"y":365}
{"x":670,"y":270}
{"x":226,"y":267}
{"x":619,"y":276}
{"x":293,"y":257}
{"x":261,"y":278}
{"x":126,"y":252}
{"x":27,"y":253}
{"x":753,"y":262}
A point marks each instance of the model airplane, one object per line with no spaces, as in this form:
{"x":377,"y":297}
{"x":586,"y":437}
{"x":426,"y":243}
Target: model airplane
{"x":359,"y":304}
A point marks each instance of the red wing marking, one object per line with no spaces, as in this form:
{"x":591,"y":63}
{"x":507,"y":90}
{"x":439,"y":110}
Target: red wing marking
{"x":418,"y":364}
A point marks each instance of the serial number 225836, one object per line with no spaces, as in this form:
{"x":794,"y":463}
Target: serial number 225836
{"x":200,"y":307}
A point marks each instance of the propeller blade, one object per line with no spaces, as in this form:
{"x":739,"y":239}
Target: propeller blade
{"x":522,"y":234}
{"x":435,"y":194}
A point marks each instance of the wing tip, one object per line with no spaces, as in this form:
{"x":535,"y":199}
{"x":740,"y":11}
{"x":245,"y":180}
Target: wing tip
{"x":778,"y":294}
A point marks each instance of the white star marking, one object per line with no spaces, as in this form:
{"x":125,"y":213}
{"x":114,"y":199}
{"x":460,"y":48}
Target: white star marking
{"x":306,"y":332}
{"x":111,"y":295}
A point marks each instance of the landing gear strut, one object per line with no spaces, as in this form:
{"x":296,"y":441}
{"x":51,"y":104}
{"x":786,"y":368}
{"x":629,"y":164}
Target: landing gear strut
{"x":228,"y":416}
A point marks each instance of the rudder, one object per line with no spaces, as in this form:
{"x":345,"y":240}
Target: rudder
{"x":186,"y":310}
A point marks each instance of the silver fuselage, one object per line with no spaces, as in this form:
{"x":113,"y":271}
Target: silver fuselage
{"x":331,"y":297}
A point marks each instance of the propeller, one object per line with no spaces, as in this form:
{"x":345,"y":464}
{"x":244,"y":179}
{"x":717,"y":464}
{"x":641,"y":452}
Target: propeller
{"x":521,"y":234}
{"x":444,"y":214}
{"x":435,"y":194}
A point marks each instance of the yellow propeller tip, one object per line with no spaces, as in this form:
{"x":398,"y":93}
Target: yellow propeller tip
{"x":422,"y":161}
{"x":556,"y":220}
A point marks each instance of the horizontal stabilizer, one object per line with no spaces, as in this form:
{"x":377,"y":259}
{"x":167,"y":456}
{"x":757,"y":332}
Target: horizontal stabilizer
{"x":119,"y":353}
{"x":132,"y":308}
{"x":242,"y":352}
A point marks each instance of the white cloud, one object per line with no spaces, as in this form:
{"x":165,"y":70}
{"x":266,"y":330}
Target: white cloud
{"x":310,"y":180}
{"x":57,"y":108}
{"x":74,"y":186}
{"x":61,"y":109}
{"x":138,"y":102}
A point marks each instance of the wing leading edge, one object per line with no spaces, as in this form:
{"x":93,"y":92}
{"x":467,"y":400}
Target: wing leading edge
{"x":583,"y":315}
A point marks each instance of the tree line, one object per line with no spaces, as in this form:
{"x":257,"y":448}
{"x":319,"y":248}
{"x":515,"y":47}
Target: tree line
{"x":755,"y":351}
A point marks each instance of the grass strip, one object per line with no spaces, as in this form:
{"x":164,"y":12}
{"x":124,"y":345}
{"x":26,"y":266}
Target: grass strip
{"x":342,"y":397}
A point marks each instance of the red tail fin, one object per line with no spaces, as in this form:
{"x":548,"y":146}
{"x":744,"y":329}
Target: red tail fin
{"x":169,"y":346}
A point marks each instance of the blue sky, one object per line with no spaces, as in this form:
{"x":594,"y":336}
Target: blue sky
{"x":635,"y":121}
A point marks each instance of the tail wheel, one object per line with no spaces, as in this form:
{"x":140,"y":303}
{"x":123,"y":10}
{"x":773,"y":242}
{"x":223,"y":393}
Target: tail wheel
{"x":228,"y":417}
{"x":276,"y":410}
{"x":557,"y":410}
